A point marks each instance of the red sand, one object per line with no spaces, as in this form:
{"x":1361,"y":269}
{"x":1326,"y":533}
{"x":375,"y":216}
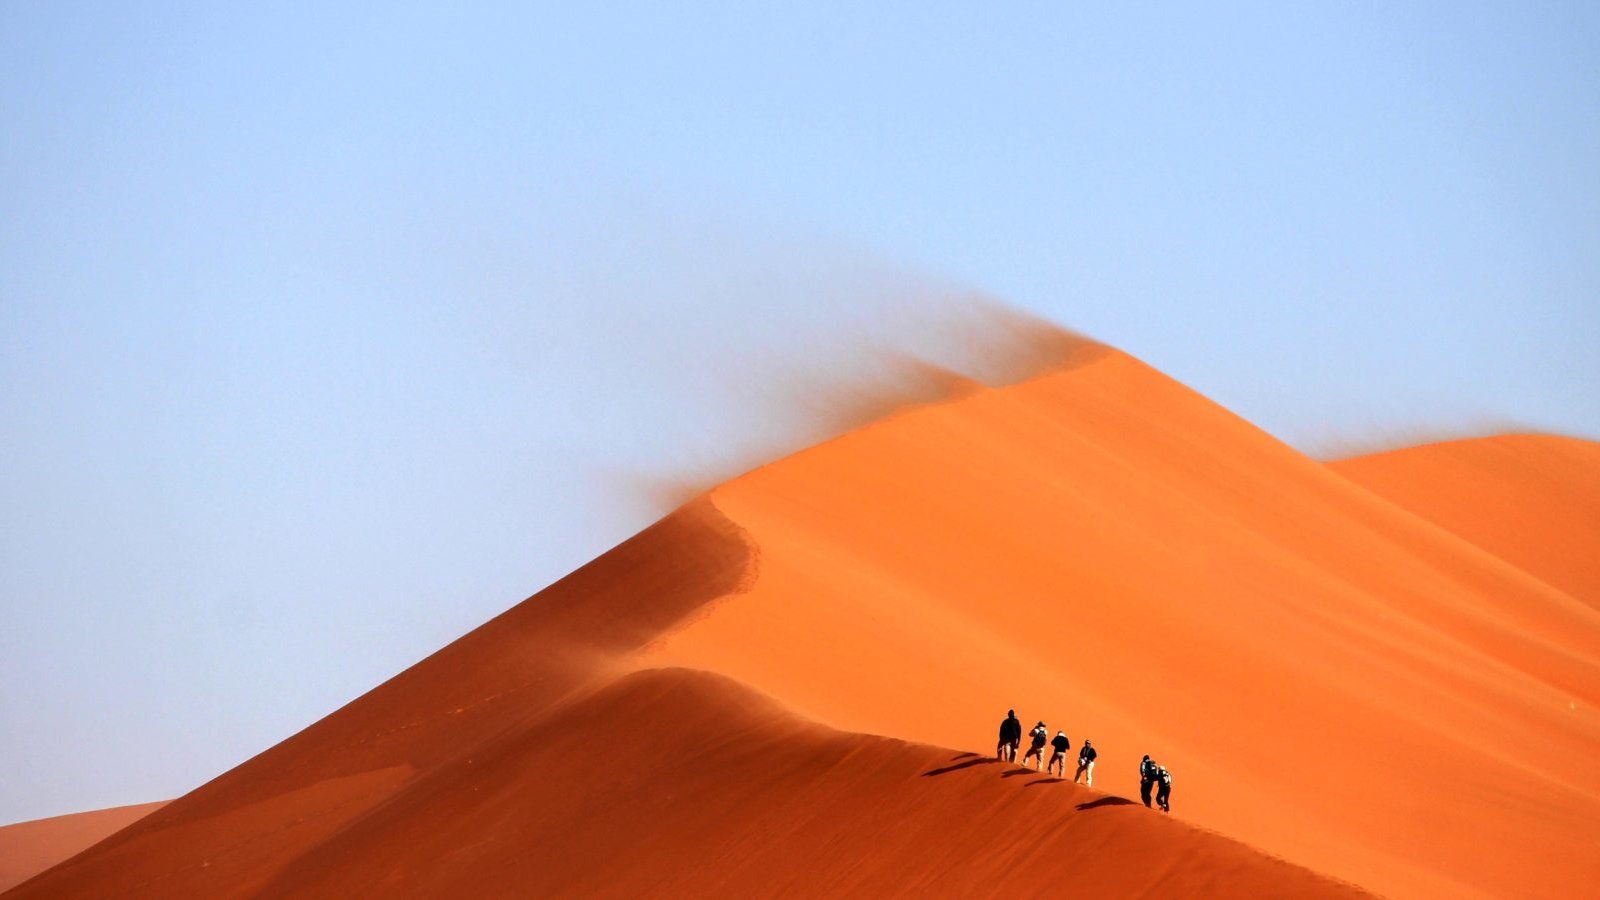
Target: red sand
{"x":1332,"y":679}
{"x":28,"y":848}
{"x":1530,"y":499}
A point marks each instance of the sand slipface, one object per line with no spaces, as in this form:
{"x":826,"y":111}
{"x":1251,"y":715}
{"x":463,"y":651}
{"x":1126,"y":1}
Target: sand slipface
{"x":1350,"y":690}
{"x":28,"y":848}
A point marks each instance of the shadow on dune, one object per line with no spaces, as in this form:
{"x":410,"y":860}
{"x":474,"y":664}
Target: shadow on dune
{"x":1015,"y":772}
{"x":981,"y":761}
{"x":525,"y":662}
{"x":1044,"y":781}
{"x":1106,"y":801}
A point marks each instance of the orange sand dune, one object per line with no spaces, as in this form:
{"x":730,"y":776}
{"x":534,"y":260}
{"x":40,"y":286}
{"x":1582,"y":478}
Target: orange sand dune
{"x":28,"y":848}
{"x":1331,"y":678}
{"x":231,"y":836}
{"x":1336,"y":681}
{"x":524,"y":760}
{"x":1531,"y":499}
{"x":680,"y":783}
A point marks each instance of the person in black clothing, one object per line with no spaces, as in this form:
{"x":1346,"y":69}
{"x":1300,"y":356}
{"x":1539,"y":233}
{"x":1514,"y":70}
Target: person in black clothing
{"x":1147,"y":778}
{"x":1036,"y":746}
{"x":1060,"y":745}
{"x":1086,"y":756}
{"x":1164,"y":789}
{"x":1010,"y":737}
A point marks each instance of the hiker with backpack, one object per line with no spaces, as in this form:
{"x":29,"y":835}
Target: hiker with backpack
{"x":1058,"y":759}
{"x":1147,"y":778}
{"x":1163,"y":789}
{"x":1086,"y":757}
{"x":1036,"y":746}
{"x":1010,"y":737}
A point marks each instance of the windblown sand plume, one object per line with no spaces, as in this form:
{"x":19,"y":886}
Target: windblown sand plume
{"x":790,"y":686}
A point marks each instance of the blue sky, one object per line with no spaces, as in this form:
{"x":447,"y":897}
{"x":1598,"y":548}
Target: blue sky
{"x":327,"y":333}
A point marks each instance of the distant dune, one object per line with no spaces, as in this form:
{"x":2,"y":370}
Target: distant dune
{"x":28,"y":848}
{"x":1345,"y":690}
{"x":1531,"y":499}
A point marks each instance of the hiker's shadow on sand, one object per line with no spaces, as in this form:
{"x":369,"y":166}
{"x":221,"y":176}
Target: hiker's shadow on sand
{"x":980,"y":761}
{"x":1107,"y":801}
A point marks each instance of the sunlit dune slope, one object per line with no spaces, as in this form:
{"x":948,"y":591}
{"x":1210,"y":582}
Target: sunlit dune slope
{"x":1331,"y":678}
{"x":1531,"y":499}
{"x":28,"y":848}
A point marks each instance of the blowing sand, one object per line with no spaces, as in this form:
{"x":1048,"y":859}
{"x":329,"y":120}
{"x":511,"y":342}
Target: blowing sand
{"x":1348,"y":692}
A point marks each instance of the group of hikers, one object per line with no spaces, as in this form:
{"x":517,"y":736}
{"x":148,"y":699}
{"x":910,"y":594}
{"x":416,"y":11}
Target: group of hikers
{"x":1151,"y":774}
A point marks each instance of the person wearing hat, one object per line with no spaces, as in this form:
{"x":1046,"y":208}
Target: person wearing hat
{"x":1036,"y":749}
{"x":1060,"y":745}
{"x":1010,"y":737}
{"x":1086,"y":757}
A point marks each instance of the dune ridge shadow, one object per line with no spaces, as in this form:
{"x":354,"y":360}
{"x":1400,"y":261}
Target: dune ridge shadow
{"x":942,"y":770}
{"x":1106,"y":801}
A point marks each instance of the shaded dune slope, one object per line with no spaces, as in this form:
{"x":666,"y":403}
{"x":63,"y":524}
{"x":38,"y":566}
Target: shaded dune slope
{"x":28,"y":848}
{"x":1531,"y":499}
{"x":1332,"y":679}
{"x":228,"y":837}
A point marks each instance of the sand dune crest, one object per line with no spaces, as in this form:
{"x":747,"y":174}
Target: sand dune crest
{"x":1334,"y":680}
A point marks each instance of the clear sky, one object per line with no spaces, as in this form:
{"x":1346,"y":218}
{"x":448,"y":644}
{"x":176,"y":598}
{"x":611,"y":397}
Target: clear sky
{"x":328,"y":331}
